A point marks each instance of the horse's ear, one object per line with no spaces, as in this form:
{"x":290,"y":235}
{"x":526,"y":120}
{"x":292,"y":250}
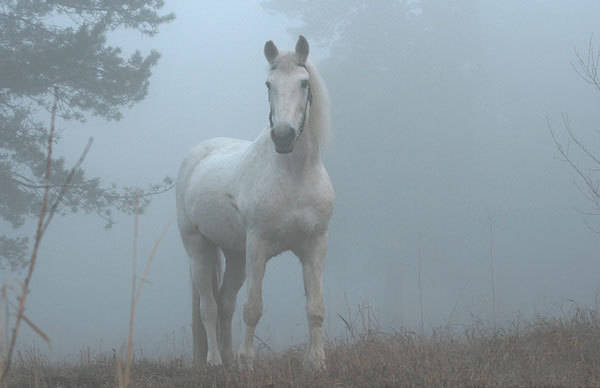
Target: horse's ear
{"x":302,"y":49}
{"x":271,"y":51}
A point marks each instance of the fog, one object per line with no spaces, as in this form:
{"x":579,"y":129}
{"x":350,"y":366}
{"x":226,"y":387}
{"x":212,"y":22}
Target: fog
{"x":441,"y":158}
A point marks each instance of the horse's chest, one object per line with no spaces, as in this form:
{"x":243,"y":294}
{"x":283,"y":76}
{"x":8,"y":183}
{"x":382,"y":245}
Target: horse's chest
{"x":285,"y":218}
{"x":301,"y":221}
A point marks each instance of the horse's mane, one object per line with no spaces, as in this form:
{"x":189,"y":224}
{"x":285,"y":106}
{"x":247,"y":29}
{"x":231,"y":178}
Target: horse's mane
{"x":319,"y":119}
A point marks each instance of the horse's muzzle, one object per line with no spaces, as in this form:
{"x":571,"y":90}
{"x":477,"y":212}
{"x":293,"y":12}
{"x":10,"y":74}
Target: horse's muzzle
{"x":283,"y":137}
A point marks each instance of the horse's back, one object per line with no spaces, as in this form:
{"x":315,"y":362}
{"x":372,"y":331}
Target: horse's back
{"x":205,"y":190}
{"x":205,"y":149}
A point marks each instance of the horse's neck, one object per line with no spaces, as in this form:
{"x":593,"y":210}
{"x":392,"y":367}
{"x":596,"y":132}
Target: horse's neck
{"x":304,"y":159}
{"x":306,"y":155}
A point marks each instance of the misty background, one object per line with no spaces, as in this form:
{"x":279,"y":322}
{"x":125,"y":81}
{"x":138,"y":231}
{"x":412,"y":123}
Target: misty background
{"x":441,"y":158}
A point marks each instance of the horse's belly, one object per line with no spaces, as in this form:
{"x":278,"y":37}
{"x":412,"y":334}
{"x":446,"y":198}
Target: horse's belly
{"x":218,"y":219}
{"x":210,"y":203}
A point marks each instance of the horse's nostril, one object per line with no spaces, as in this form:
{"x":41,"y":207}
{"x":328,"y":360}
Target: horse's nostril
{"x":283,"y":134}
{"x":283,"y":137}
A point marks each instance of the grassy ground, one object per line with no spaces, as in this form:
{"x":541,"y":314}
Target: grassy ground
{"x":546,"y":352}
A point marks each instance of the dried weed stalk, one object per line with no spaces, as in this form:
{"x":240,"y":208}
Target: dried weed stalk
{"x":44,"y":218}
{"x":124,"y":374}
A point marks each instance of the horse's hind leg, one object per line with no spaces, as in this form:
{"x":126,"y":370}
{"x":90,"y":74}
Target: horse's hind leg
{"x":232,"y":282}
{"x":198,"y":332}
{"x":203,"y":260}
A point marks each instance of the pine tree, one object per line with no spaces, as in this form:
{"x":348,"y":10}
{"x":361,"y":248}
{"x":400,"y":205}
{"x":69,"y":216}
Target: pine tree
{"x":48,"y":45}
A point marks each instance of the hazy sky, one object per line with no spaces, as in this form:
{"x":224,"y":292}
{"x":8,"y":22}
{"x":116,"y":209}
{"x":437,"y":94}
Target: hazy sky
{"x":429,"y":188}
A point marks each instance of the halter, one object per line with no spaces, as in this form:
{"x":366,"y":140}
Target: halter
{"x":306,"y":104}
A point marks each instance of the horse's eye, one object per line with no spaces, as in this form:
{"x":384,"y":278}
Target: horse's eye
{"x":268,"y":85}
{"x":304,"y":83}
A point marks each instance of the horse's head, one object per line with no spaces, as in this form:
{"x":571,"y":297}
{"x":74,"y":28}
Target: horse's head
{"x":288,"y":84}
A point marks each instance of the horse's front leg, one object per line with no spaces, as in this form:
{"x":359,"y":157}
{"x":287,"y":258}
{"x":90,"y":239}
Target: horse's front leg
{"x":312,"y":255}
{"x":232,"y":281}
{"x":256,"y":259}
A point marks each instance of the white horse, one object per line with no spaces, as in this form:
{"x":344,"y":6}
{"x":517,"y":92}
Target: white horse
{"x":254,"y":200}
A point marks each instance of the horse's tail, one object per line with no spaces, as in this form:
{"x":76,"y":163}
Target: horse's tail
{"x":218,"y":275}
{"x":217,"y":281}
{"x":198,"y":333}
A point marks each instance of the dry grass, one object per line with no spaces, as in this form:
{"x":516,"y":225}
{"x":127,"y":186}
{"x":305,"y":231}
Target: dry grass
{"x":546,"y":352}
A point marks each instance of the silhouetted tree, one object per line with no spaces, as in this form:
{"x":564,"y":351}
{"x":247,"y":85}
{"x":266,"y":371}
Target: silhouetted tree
{"x":63,"y":44}
{"x":577,"y":153}
{"x":426,"y":54}
{"x":398,"y":72}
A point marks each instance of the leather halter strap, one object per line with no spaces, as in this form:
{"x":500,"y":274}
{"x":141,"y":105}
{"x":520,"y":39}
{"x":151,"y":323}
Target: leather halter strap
{"x":306,"y":106}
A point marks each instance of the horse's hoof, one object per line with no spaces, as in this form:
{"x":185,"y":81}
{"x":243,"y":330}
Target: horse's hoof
{"x":245,"y":359}
{"x":228,"y":359}
{"x":314,"y":360}
{"x":214,"y":360}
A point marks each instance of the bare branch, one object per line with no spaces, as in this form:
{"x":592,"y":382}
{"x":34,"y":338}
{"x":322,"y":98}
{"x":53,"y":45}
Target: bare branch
{"x":575,"y":139}
{"x":38,"y":238}
{"x":592,"y":186}
{"x":66,"y":184}
{"x":588,"y":66}
{"x":141,"y":194}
